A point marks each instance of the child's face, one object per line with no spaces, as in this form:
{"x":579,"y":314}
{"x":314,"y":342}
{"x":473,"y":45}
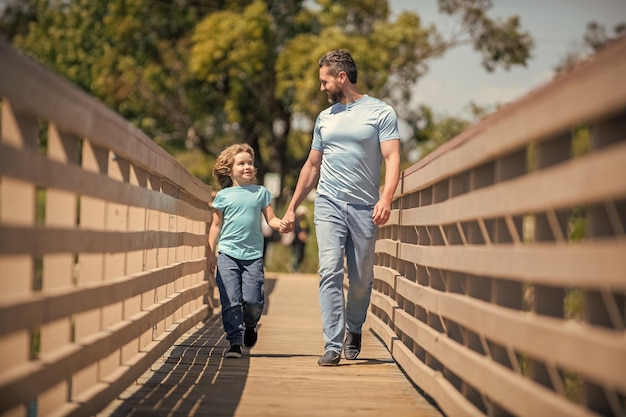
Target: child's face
{"x":243,"y":170}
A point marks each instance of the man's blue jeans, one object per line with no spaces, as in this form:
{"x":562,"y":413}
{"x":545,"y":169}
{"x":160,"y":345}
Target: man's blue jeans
{"x":344,"y":229}
{"x":241,"y":286}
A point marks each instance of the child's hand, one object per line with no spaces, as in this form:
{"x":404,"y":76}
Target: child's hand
{"x":288,"y":221}
{"x":286,"y":225}
{"x":211,"y":263}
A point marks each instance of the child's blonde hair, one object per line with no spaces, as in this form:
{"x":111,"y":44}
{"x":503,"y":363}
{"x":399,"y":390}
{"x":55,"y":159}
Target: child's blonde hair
{"x":225,"y":161}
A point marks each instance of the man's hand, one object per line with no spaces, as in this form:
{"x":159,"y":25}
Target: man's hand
{"x":382,"y":211}
{"x":286,"y":225}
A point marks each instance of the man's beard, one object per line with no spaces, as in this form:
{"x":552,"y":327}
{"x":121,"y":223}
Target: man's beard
{"x":335,"y":96}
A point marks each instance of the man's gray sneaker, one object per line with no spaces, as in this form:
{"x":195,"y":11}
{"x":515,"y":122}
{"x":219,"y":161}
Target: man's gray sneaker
{"x":329,"y":358}
{"x":352,"y":345}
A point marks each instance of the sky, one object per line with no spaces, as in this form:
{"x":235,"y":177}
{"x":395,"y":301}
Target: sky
{"x":557,"y":27}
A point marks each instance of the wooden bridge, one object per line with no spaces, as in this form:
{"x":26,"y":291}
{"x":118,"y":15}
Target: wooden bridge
{"x":500,"y":279}
{"x":279,"y":376}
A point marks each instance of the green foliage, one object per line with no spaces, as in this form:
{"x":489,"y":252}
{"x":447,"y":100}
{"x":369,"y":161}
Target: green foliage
{"x":437,"y":130}
{"x":279,"y":255}
{"x":35,"y":343}
{"x":197,"y":74}
{"x":581,"y":141}
{"x":40,"y":206}
{"x":594,"y":39}
{"x":573,"y":386}
{"x":232,"y":53}
{"x":500,"y":42}
{"x":67,"y":36}
{"x":574,"y":304}
{"x":279,"y":258}
{"x":199,"y":164}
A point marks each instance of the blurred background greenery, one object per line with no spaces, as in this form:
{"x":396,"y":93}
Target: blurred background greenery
{"x":198,"y":75}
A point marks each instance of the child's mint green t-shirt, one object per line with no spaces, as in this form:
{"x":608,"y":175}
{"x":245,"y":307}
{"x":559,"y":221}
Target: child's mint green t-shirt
{"x":241,"y":236}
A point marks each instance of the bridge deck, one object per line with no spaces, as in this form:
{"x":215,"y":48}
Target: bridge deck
{"x":279,"y":376}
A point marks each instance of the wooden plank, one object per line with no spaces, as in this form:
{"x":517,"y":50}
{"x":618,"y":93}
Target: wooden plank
{"x":99,"y":395}
{"x":575,"y":265}
{"x":596,"y":178}
{"x":40,"y":92}
{"x":280,"y":376}
{"x":487,"y":376}
{"x":386,"y":275}
{"x":38,"y":170}
{"x":599,"y":80}
{"x":23,"y":383}
{"x":90,"y":265}
{"x":554,"y":341}
{"x":17,"y":206}
{"x":39,"y":241}
{"x":453,"y":403}
{"x":387,"y":246}
{"x":30,"y":311}
{"x":58,"y":269}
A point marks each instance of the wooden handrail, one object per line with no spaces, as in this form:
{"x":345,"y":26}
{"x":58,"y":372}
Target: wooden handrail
{"x":500,"y":282}
{"x":102,"y":246}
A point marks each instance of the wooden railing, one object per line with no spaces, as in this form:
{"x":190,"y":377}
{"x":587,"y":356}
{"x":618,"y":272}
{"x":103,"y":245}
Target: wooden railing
{"x":500,"y":281}
{"x":102,"y":247}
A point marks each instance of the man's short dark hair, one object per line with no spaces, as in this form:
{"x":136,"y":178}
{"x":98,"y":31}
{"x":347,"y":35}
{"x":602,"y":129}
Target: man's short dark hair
{"x":337,"y":61}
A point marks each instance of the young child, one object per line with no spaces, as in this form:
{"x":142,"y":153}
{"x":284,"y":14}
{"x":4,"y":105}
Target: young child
{"x":236,"y":234}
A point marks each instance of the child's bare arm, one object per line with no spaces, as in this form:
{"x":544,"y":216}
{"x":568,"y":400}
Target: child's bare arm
{"x":271,"y":218}
{"x":214,"y":232}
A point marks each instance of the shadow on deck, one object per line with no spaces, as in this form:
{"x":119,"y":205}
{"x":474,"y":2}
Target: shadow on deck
{"x":279,"y":377}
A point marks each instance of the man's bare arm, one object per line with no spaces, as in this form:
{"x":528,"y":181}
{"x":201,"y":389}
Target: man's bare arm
{"x":391,"y":154}
{"x":309,"y":174}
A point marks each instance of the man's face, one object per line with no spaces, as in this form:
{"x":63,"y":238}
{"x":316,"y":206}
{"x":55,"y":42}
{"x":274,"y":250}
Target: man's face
{"x":330,"y":85}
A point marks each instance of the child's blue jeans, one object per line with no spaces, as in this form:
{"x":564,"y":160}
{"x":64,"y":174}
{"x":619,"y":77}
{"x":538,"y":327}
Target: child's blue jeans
{"x":241,"y":286}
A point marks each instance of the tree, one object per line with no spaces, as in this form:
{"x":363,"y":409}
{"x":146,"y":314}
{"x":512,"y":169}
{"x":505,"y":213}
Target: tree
{"x":196,"y":75}
{"x":391,"y":55}
{"x":594,"y":39}
{"x":436,"y":130}
{"x":132,"y":55}
{"x":59,"y":36}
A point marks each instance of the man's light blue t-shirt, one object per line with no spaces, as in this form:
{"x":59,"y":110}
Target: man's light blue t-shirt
{"x":241,"y":236}
{"x":349,"y":137}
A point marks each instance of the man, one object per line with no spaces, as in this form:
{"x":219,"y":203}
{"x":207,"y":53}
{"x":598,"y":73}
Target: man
{"x":352,"y":137}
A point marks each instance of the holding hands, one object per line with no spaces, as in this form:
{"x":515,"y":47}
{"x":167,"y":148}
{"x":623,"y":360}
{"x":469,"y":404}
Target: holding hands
{"x":286,"y":224}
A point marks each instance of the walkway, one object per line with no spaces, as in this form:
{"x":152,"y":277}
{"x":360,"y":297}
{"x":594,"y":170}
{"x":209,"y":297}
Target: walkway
{"x":280,"y":376}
